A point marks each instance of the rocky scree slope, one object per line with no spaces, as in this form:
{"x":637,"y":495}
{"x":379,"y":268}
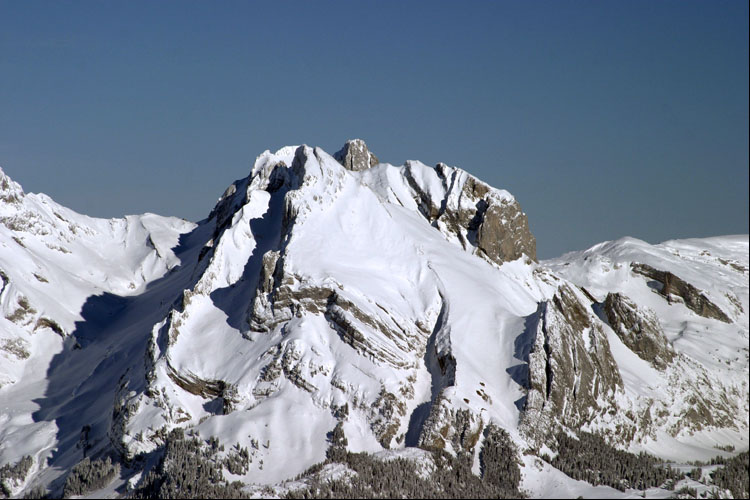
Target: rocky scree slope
{"x":401,"y":304}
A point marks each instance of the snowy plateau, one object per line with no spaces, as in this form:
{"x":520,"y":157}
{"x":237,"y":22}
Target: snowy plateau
{"x":334,"y":315}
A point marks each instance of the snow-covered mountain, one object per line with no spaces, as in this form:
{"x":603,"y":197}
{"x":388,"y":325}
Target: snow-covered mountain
{"x":403,"y":305}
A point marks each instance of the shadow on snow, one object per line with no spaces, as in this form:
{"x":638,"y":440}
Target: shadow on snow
{"x":111,"y":337}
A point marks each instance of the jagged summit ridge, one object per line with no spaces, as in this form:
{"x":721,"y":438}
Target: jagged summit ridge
{"x":469,"y":212}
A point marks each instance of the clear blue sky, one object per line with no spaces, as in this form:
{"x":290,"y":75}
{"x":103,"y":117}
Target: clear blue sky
{"x":604,"y":119}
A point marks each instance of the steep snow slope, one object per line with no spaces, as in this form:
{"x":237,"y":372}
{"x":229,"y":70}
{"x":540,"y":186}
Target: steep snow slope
{"x":402,"y":301}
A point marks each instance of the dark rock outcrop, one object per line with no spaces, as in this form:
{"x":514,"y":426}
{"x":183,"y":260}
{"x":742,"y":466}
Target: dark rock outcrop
{"x":638,"y":329}
{"x":670,"y":286}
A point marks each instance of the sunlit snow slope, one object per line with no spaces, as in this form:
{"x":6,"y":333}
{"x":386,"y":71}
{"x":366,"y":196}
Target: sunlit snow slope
{"x":403,"y":301}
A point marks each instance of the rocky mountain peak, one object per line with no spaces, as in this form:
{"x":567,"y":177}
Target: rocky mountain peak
{"x":355,"y":156}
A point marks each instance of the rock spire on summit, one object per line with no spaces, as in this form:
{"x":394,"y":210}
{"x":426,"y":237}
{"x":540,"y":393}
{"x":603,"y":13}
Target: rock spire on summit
{"x":355,"y":156}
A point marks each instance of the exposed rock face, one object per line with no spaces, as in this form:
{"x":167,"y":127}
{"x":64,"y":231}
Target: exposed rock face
{"x":450,"y":429}
{"x":498,"y":228}
{"x":355,"y":156}
{"x":478,"y":215}
{"x":672,"y":286}
{"x":638,"y":329}
{"x":204,"y":388}
{"x":503,"y":233}
{"x":572,"y":374}
{"x":232,"y":199}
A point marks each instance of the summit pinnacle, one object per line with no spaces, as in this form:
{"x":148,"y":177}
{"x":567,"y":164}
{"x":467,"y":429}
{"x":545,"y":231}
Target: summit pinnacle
{"x":355,"y":156}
